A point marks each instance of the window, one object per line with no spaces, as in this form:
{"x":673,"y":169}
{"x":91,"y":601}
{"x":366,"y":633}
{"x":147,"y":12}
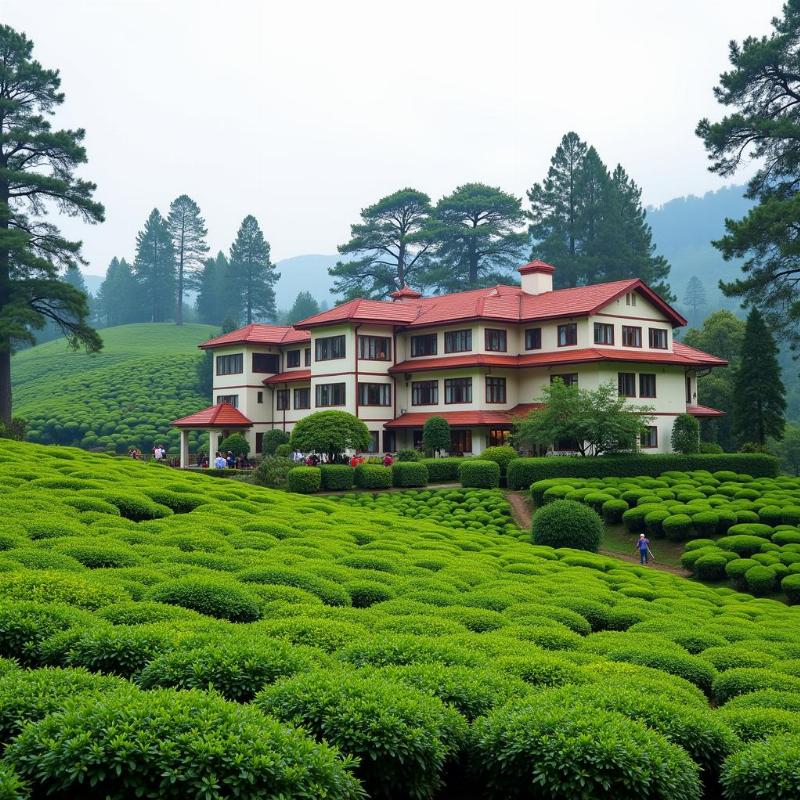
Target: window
{"x":416,"y":438}
{"x":496,"y":340}
{"x":458,"y":390}
{"x":424,"y":345}
{"x":425,"y":393}
{"x":567,"y":334}
{"x":688,"y":389}
{"x":282,"y":399}
{"x":649,"y":437}
{"x":389,"y":441}
{"x":627,"y":384}
{"x":230,"y":399}
{"x":329,"y":394}
{"x":461,"y":441}
{"x":569,"y":378}
{"x":302,"y":398}
{"x":495,"y":390}
{"x":374,"y":348}
{"x":458,"y":341}
{"x":630,"y":299}
{"x":330,"y":347}
{"x":533,"y":339}
{"x":259,"y":397}
{"x":293,"y":358}
{"x":266,"y":362}
{"x":658,"y":338}
{"x":308,"y":356}
{"x":374,"y":394}
{"x":259,"y":443}
{"x":631,"y":336}
{"x":230,"y":365}
{"x":499,"y":437}
{"x":374,"y":442}
{"x":603,"y":333}
{"x":647,"y":385}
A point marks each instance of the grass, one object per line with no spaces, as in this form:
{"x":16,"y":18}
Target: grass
{"x":124,"y":396}
{"x":173,"y":618}
{"x":617,"y":540}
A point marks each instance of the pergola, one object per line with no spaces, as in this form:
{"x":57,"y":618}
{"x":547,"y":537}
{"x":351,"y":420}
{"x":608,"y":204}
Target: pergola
{"x":222,"y":417}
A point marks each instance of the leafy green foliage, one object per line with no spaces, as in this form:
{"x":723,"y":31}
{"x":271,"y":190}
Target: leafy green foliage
{"x":236,"y":444}
{"x":273,"y":471}
{"x":408,"y":474}
{"x":331,"y":433}
{"x":479,"y":474}
{"x":436,"y":435}
{"x":565,"y":523}
{"x":685,"y":434}
{"x":373,"y":476}
{"x":769,"y":768}
{"x":273,"y":438}
{"x":304,"y":480}
{"x":337,"y":477}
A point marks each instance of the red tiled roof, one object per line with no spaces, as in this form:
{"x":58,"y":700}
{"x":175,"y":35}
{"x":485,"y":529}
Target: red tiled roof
{"x":704,"y":411}
{"x":260,"y":334}
{"x":502,"y":303}
{"x":682,"y":356}
{"x":537,"y":265}
{"x":222,"y":415}
{"x":293,"y":376}
{"x":496,"y":418}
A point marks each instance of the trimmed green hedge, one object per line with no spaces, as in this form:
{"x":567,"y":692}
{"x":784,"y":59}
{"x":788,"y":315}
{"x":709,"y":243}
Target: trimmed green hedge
{"x":409,"y":474}
{"x":373,"y":476}
{"x":304,"y":480}
{"x":565,"y":523}
{"x":442,"y":470}
{"x":479,"y":474}
{"x":522,"y":472}
{"x":337,"y":477}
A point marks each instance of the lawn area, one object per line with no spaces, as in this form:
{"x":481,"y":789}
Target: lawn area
{"x":617,"y":540}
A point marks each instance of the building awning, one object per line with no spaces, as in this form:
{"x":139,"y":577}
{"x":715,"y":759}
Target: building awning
{"x":704,"y":411}
{"x":469,"y":419}
{"x":222,"y":415}
{"x":293,"y":376}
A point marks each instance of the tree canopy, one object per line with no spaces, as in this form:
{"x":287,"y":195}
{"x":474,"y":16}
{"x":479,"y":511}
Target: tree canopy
{"x":187,"y":229}
{"x":762,"y":92}
{"x":37,"y":174}
{"x":436,"y":435}
{"x":304,"y":306}
{"x":154,"y":268}
{"x":595,"y":421}
{"x":252,"y":274}
{"x":388,"y":247}
{"x":331,"y":433}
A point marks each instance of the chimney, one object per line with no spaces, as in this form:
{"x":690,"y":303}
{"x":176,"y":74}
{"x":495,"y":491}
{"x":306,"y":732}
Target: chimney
{"x":537,"y":277}
{"x":404,"y":294}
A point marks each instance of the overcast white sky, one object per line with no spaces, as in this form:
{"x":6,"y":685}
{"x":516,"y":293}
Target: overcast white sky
{"x":304,"y":112}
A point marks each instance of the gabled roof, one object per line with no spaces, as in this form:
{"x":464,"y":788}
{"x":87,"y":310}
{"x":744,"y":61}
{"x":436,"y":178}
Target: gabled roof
{"x":503,"y":419}
{"x":222,"y":415}
{"x":260,"y":334}
{"x":500,"y":303}
{"x":293,"y":376}
{"x":704,"y":411}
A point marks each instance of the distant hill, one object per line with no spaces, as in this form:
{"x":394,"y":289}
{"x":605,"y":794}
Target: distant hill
{"x":124,"y":396}
{"x":683,"y":230}
{"x":304,"y":274}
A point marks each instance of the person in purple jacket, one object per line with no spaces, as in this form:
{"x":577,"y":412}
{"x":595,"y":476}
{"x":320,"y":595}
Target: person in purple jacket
{"x":643,"y":546}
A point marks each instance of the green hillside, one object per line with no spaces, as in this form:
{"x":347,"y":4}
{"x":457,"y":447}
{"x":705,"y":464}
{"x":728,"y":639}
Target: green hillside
{"x":173,"y":635}
{"x":124,"y":396}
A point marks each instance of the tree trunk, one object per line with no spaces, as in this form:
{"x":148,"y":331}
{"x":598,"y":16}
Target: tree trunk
{"x":179,"y":309}
{"x":5,"y":382}
{"x":5,"y":297}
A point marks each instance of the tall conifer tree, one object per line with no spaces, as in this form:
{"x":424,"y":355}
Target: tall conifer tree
{"x":252,"y":274}
{"x":187,"y":229}
{"x":759,"y":399}
{"x":119,"y":299}
{"x":155,"y":267}
{"x":37,"y":174}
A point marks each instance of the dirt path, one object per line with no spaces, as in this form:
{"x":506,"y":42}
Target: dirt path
{"x":522,"y":511}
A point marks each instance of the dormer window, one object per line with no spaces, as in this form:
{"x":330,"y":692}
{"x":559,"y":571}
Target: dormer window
{"x":630,"y":299}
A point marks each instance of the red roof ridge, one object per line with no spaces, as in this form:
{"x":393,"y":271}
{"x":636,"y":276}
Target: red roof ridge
{"x":221,"y":415}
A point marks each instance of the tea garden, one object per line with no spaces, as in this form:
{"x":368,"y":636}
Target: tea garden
{"x":171,"y":635}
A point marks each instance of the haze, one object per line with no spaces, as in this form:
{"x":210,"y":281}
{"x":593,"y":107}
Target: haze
{"x":302,"y":113}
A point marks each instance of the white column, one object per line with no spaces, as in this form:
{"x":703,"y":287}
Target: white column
{"x":212,"y":447}
{"x":184,"y":448}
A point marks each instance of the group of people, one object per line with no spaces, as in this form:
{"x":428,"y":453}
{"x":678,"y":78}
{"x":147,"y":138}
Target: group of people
{"x":227,"y":461}
{"x":313,"y":460}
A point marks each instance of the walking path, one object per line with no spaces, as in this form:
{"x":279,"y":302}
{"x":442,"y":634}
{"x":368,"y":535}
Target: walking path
{"x":521,"y":511}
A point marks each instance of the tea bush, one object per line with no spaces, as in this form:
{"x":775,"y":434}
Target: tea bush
{"x":373,"y":476}
{"x":408,"y":474}
{"x":565,"y":523}
{"x":336,"y":477}
{"x":479,"y":474}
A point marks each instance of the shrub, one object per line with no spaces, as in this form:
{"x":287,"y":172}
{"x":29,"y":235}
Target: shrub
{"x":678,"y":527}
{"x":711,"y":567}
{"x":209,"y":597}
{"x":705,"y":523}
{"x":479,"y":474}
{"x":760,"y":580}
{"x":169,"y":745}
{"x":741,"y":680}
{"x":443,"y":470}
{"x":613,"y":510}
{"x":407,"y":474}
{"x":502,"y":455}
{"x":336,"y":477}
{"x":654,"y":523}
{"x":304,"y":480}
{"x":763,"y":769}
{"x":565,"y":523}
{"x":331,"y":433}
{"x":436,"y":435}
{"x":283,"y":451}
{"x":743,"y":545}
{"x":272,"y":439}
{"x":272,"y":471}
{"x":790,"y":585}
{"x":237,"y":670}
{"x":330,"y":592}
{"x":686,"y":434}
{"x":737,"y":569}
{"x":409,"y":455}
{"x":236,"y":444}
{"x":404,"y":738}
{"x":568,"y":753}
{"x":373,"y":476}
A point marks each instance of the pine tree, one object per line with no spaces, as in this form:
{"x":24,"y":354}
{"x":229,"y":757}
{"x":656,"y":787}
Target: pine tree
{"x":119,"y":296}
{"x":188,"y":232}
{"x":477,"y":238}
{"x":154,"y":267}
{"x":304,"y":306}
{"x":555,"y":208}
{"x":695,"y":298}
{"x":388,"y":244}
{"x":759,"y":399}
{"x":72,"y":277}
{"x":253,"y":275}
{"x":37,"y":174}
